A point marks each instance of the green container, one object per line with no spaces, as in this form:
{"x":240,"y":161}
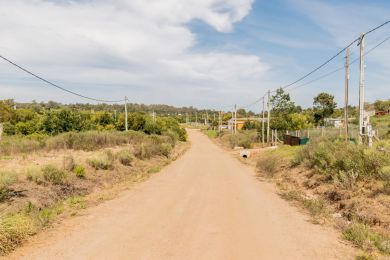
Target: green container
{"x":303,"y":141}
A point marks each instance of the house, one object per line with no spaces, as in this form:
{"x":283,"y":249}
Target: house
{"x":335,"y":122}
{"x":241,"y":121}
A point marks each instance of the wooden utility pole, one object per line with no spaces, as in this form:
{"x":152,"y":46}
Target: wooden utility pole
{"x":346,"y":94}
{"x":235,"y":119}
{"x":361,"y":90}
{"x":262,"y":124}
{"x":220,"y":121}
{"x":268,"y":113}
{"x":126,"y":124}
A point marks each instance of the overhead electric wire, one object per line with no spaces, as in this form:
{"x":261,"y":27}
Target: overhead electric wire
{"x":341,"y":68}
{"x":334,"y":56}
{"x":57,"y":86}
{"x":329,"y":60}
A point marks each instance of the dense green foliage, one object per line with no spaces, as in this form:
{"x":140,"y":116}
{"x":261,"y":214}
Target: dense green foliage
{"x":53,"y":121}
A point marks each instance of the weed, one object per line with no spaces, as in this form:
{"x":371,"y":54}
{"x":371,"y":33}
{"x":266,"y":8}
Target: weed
{"x":53,"y":175}
{"x":79,"y":170}
{"x":125,"y":157}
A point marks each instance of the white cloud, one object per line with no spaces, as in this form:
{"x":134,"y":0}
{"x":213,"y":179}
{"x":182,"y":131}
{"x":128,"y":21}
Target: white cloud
{"x":125,"y":42}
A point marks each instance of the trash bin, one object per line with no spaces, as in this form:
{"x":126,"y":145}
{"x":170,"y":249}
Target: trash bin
{"x":303,"y":141}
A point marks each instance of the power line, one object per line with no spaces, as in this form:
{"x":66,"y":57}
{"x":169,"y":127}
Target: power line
{"x":55,"y":85}
{"x":333,"y":57}
{"x":326,"y":62}
{"x":341,"y":68}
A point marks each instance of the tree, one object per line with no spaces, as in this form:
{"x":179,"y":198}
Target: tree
{"x":382,"y":105}
{"x":324,"y":106}
{"x":298,"y":121}
{"x":282,"y":107}
{"x":281,"y":103}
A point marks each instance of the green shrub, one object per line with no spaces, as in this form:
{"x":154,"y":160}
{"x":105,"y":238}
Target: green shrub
{"x":104,"y":161}
{"x":7,"y":178}
{"x":79,"y":170}
{"x":125,"y":157}
{"x":53,"y":175}
{"x":14,"y":229}
{"x":34,"y":173}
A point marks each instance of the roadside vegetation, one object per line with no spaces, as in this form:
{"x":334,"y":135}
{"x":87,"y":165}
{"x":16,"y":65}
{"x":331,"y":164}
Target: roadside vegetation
{"x":335,"y":181}
{"x":55,"y":162}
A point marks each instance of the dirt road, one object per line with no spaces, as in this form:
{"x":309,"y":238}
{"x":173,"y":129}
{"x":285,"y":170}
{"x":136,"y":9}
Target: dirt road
{"x":205,"y":205}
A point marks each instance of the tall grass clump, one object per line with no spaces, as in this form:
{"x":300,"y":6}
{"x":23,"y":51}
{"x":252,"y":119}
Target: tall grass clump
{"x":14,"y":229}
{"x":104,"y":162}
{"x":53,"y":175}
{"x":125,"y":157}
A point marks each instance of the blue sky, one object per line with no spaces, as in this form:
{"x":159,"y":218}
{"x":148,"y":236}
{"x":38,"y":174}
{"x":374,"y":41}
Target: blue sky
{"x":207,"y":53}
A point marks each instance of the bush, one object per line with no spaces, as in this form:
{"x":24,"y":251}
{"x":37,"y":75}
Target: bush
{"x":7,"y":178}
{"x":125,"y":157}
{"x":79,"y":170}
{"x":344,"y":161}
{"x":14,"y":229}
{"x":104,"y":162}
{"x":53,"y":175}
{"x":268,"y":164}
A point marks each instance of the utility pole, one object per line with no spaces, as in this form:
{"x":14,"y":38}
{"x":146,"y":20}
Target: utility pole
{"x":196,"y":117}
{"x":361,"y":90}
{"x":232,"y":121}
{"x":126,"y":124}
{"x":235,"y":119}
{"x":268,"y":113}
{"x":154,"y":116}
{"x":346,"y":94}
{"x":262,"y":124}
{"x":220,"y":121}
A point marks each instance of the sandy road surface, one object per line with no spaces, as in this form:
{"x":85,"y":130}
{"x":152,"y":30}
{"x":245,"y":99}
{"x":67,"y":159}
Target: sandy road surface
{"x":205,"y":205}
